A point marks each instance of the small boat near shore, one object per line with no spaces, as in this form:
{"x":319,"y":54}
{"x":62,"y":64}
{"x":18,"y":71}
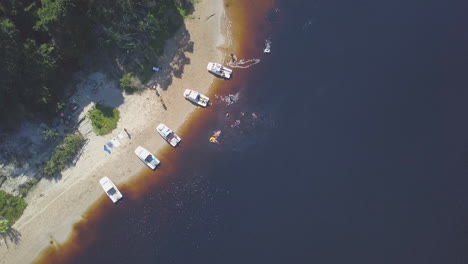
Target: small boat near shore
{"x":110,"y":189}
{"x":149,"y":159}
{"x":196,"y":97}
{"x":267,"y":50}
{"x":219,"y":70}
{"x":172,"y":138}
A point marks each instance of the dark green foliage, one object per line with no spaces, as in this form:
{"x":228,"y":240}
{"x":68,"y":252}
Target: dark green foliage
{"x":104,"y":118}
{"x":49,"y":135}
{"x":140,"y":22}
{"x":127,"y":83}
{"x":41,"y":41}
{"x":51,"y":14}
{"x":60,"y":107}
{"x":24,"y":188}
{"x":11,"y":207}
{"x":4,"y":225}
{"x":63,"y":154}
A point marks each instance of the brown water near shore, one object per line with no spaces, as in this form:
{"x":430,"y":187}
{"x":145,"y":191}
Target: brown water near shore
{"x":172,"y":185}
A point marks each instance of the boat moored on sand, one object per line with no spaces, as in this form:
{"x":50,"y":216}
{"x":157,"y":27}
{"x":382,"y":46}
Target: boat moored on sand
{"x":196,"y":97}
{"x":219,"y":70}
{"x":149,"y":159}
{"x":110,"y":189}
{"x":172,"y":138}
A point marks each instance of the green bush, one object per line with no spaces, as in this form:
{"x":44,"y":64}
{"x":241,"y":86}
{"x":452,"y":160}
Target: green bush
{"x":24,"y":188}
{"x":63,"y":154}
{"x":11,"y":207}
{"x":183,"y":12}
{"x":127,"y":83}
{"x":104,"y":118}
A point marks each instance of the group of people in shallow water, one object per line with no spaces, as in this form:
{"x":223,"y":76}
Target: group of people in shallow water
{"x":214,"y":137}
{"x":237,"y":122}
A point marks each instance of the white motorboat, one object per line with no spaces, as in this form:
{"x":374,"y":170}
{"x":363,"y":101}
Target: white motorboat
{"x":219,"y":70}
{"x":110,"y":189}
{"x":196,"y":97}
{"x":149,"y":159}
{"x":172,"y":138}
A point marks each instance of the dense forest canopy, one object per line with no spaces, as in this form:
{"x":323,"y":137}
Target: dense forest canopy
{"x":41,"y":41}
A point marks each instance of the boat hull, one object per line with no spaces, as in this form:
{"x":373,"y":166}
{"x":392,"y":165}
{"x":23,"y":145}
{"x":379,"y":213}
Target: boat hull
{"x":110,"y":189}
{"x":167,"y":134}
{"x":196,"y":98}
{"x":147,"y":157}
{"x":219,"y":70}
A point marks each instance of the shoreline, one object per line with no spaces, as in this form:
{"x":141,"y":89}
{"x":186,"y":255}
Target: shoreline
{"x":49,"y":218}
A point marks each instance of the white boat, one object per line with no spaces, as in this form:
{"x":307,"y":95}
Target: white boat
{"x":196,"y":97}
{"x":219,"y":70}
{"x":149,"y":159}
{"x":110,"y":189}
{"x":172,"y":138}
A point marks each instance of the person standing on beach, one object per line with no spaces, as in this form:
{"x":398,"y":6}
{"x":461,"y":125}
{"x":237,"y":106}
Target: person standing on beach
{"x":128,"y":134}
{"x":163,"y":104}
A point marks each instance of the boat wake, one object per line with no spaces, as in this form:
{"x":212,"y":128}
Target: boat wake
{"x":228,"y":99}
{"x":267,"y":48}
{"x":242,"y":63}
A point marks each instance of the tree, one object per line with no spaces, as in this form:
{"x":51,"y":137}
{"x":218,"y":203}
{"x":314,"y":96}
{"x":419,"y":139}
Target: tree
{"x":9,"y":44}
{"x":49,"y":135}
{"x":10,"y":54}
{"x":51,"y":14}
{"x":41,"y":42}
{"x":40,"y":65}
{"x":129,"y":83}
{"x":11,"y":207}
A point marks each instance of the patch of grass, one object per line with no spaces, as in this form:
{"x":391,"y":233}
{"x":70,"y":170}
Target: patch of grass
{"x":63,"y":154}
{"x":104,"y":118}
{"x":11,"y":207}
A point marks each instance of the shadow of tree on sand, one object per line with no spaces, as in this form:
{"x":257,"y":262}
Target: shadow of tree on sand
{"x":174,"y":59}
{"x":11,"y":236}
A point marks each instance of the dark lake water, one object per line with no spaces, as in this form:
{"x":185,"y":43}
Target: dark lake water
{"x":359,"y":153}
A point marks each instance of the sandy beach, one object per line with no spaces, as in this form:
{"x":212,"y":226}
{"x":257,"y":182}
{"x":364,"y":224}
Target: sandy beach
{"x":54,"y":206}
